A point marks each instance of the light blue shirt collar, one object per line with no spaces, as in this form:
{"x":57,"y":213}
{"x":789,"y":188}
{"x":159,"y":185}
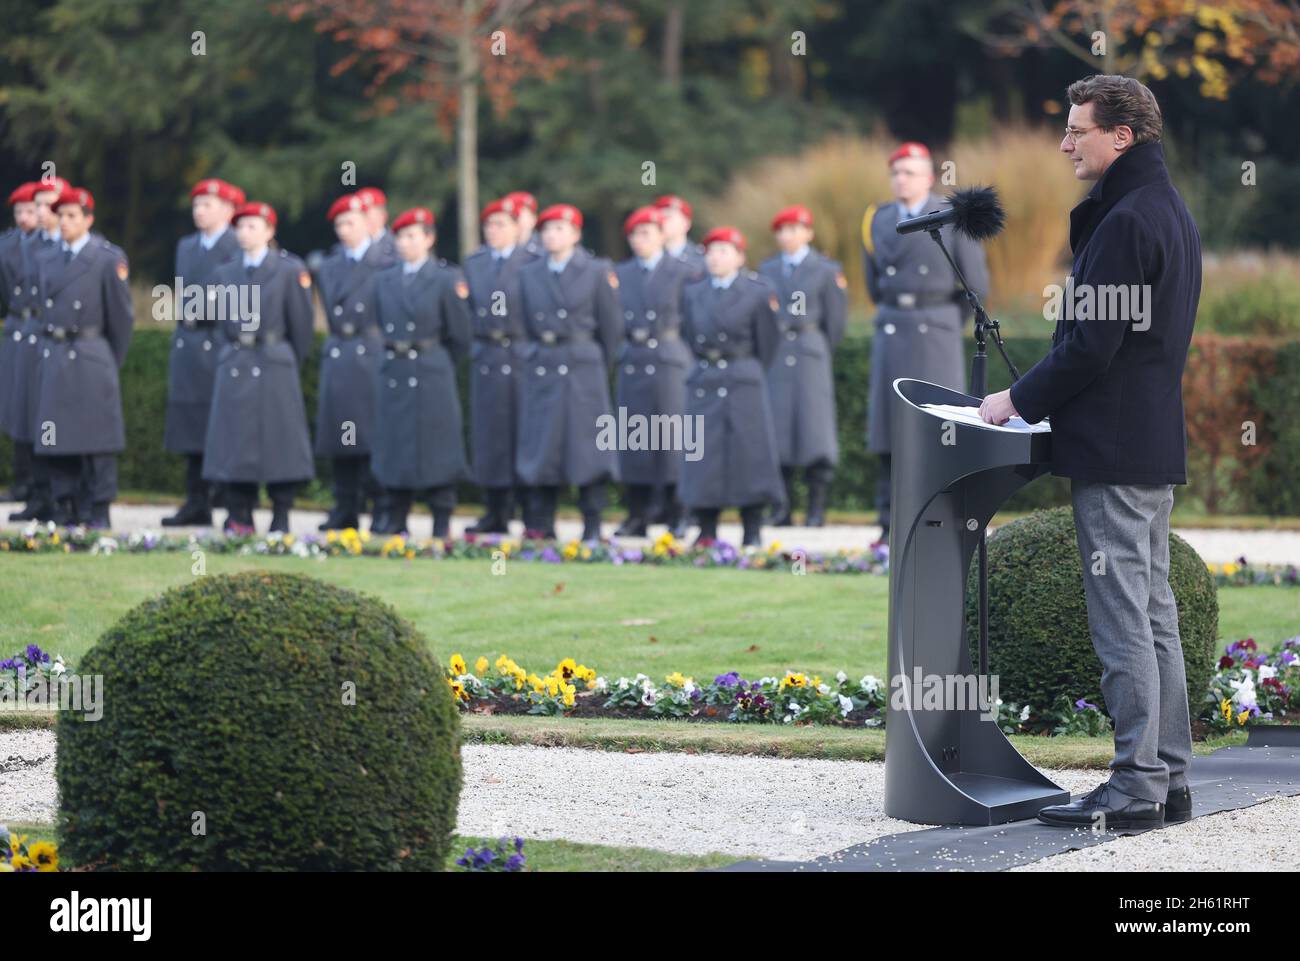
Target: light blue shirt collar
{"x":558,"y":265}
{"x":725,"y":282}
{"x":208,"y":241}
{"x":504,"y":253}
{"x":255,"y":260}
{"x":52,"y":235}
{"x":77,"y":247}
{"x":651,"y":264}
{"x":409,"y":268}
{"x":796,"y":258}
{"x":920,"y":209}
{"x":356,"y":253}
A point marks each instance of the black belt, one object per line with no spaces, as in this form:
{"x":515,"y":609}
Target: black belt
{"x":257,"y":340}
{"x":550,"y":337}
{"x":191,"y":324}
{"x":640,"y":335}
{"x":61,"y":334}
{"x":404,"y":346}
{"x":734,"y":353}
{"x":930,"y":298}
{"x":494,"y":337}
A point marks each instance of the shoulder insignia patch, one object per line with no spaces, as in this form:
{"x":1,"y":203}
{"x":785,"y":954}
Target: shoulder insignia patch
{"x":613,"y":279}
{"x":773,"y":302}
{"x":122,"y":271}
{"x":867,"y":218}
{"x":840,"y":280}
{"x":304,"y":279}
{"x":462,"y":289}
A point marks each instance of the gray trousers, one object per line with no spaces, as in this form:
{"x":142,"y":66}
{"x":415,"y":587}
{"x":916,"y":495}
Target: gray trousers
{"x":1123,"y":533}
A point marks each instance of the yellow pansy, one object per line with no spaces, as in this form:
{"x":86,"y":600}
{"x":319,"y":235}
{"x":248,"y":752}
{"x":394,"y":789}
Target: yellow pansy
{"x":45,"y":856}
{"x":457,"y":664}
{"x":481,"y":666}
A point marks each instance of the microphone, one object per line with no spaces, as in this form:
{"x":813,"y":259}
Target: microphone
{"x":975,"y":212}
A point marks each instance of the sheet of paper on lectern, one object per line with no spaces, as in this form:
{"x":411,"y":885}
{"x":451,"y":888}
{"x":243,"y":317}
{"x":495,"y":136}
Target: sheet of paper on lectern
{"x":971,"y":415}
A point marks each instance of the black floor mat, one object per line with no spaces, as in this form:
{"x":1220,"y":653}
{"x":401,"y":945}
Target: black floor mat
{"x":1230,"y":778}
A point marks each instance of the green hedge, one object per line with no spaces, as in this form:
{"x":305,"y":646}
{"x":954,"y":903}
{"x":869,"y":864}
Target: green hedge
{"x":261,"y":721}
{"x":1039,"y":642}
{"x":145,"y":466}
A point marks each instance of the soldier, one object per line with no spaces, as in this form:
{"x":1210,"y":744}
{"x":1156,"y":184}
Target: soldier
{"x":496,"y":361}
{"x":28,"y":349}
{"x":257,"y":430}
{"x":918,"y":327}
{"x":377,"y":222}
{"x":193,"y":362}
{"x":728,"y":319}
{"x":676,"y":214}
{"x":526,"y":213}
{"x":651,"y":366}
{"x":571,"y":314}
{"x":77,"y":418}
{"x":345,"y":413}
{"x":13,"y":251}
{"x":421,"y":308}
{"x":811,"y":288}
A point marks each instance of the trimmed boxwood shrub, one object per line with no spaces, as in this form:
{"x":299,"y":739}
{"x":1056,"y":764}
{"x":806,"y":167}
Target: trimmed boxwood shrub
{"x":226,"y":707}
{"x":1039,"y":643}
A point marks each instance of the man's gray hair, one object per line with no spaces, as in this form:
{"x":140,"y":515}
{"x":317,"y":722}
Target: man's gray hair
{"x":1119,"y":101}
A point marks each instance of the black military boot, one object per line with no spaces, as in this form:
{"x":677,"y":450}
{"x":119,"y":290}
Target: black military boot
{"x":36,"y":509}
{"x":195,"y":512}
{"x":64,"y":512}
{"x":545,"y":516}
{"x":708,"y":519}
{"x":591,"y":525}
{"x":751,"y":519}
{"x":279,"y":518}
{"x":817,"y":491}
{"x":395,"y":521}
{"x":441,"y":522}
{"x":99,"y":519}
{"x":347,"y":496}
{"x":496,"y":518}
{"x":783,"y":518}
{"x":638,"y":498}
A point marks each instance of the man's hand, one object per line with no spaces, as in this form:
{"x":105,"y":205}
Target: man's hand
{"x":997,"y":408}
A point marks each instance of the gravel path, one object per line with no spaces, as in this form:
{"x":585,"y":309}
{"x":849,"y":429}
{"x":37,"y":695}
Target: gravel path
{"x":1216,"y":546}
{"x":741,"y":806}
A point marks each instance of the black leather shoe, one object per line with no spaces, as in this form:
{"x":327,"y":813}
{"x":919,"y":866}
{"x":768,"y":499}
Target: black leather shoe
{"x":634,"y":526}
{"x":338,"y":521}
{"x":189,"y":515}
{"x":279,"y":520}
{"x":590,"y":527}
{"x":492,"y":522}
{"x":99,"y":519}
{"x":34,"y":511}
{"x":1106,"y":809}
{"x":1178,"y":805}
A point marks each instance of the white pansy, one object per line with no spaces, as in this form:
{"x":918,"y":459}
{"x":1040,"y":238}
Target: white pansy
{"x":649,"y":697}
{"x":1265,"y":672}
{"x":601,"y":684}
{"x":870,"y":683}
{"x":1024,"y":713}
{"x":823,"y":688}
{"x":846,"y":705}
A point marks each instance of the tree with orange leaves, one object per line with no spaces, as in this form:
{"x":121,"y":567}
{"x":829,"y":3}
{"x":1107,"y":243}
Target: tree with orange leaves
{"x":446,"y":52}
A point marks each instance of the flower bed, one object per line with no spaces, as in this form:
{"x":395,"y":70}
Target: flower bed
{"x":1254,"y":688}
{"x":664,"y":551}
{"x":1241,"y":573}
{"x":19,"y":857}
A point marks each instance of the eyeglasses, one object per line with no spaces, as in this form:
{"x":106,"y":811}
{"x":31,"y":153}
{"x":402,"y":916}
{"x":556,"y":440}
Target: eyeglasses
{"x":1073,"y":134}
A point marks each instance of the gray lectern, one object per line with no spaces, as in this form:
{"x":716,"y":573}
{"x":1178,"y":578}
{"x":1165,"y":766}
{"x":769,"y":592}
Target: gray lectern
{"x":949,"y":766}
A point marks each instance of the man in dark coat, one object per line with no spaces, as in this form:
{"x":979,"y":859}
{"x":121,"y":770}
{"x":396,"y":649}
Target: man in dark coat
{"x":13,"y":254}
{"x":192,"y":367}
{"x":345,"y":411}
{"x":814,"y":309}
{"x":574,"y":329}
{"x":496,"y":361}
{"x":77,"y":420}
{"x":1112,"y":386}
{"x":257,"y":431}
{"x":651,"y":368}
{"x":728,"y":321}
{"x":422,"y":312}
{"x":919,"y":323}
{"x":28,"y":347}
{"x":676,"y":218}
{"x":525,"y":207}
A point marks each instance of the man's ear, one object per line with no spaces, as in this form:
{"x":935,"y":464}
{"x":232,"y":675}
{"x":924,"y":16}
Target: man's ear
{"x":1123,"y":137}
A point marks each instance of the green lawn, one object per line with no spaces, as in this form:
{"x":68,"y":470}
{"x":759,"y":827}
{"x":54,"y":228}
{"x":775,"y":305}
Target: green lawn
{"x":541,"y":855}
{"x":702,"y":622}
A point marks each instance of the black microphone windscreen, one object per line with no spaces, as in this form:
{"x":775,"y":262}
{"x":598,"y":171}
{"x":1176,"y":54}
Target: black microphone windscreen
{"x":979,"y":215}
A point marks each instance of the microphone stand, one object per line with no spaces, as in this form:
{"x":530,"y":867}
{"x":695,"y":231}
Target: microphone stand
{"x":979,"y":385}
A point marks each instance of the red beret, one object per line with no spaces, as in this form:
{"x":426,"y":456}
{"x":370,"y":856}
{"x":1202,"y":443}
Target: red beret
{"x":727,"y":235}
{"x":674,"y":202}
{"x":24,"y":194}
{"x":566,"y":212}
{"x":373,"y":197}
{"x":502,"y":205}
{"x":522,"y":198}
{"x":75,"y":195}
{"x":794,"y":214}
{"x":56,"y":184}
{"x":909,"y":149}
{"x":642,"y":215}
{"x":346,"y":203}
{"x":255,"y":208}
{"x":215,"y":187}
{"x":416,"y":215}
